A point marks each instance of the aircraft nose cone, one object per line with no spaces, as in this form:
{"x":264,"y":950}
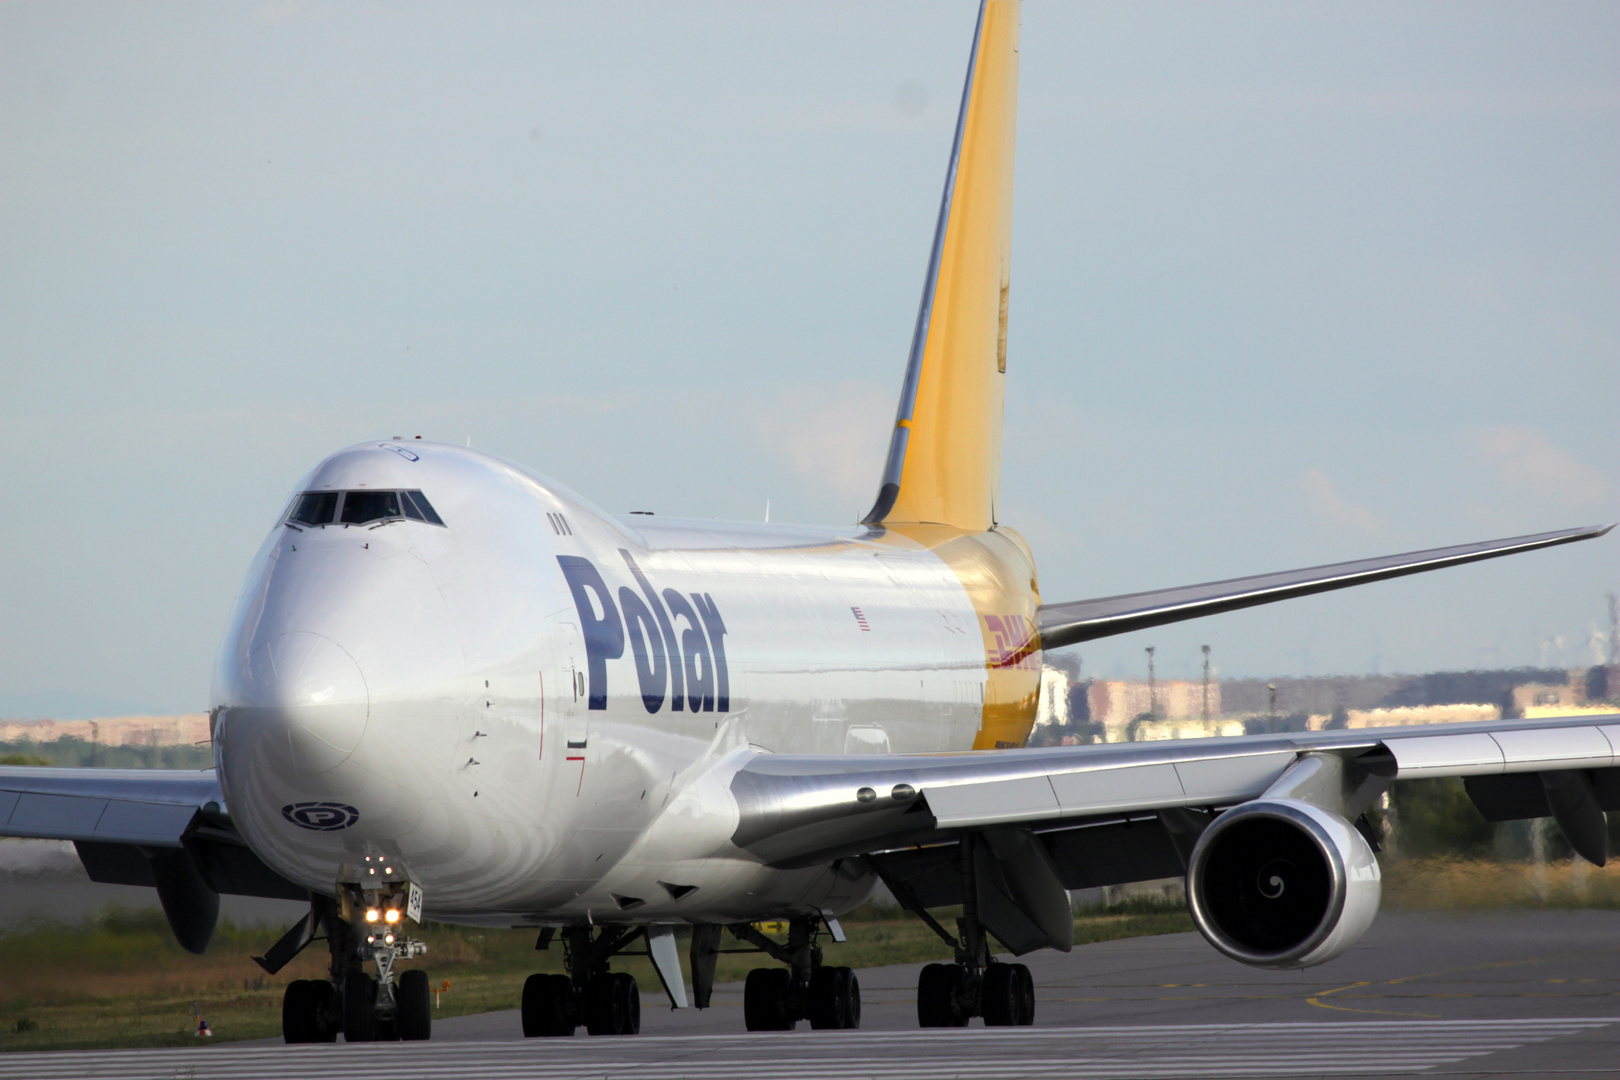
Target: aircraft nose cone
{"x":307,"y":699}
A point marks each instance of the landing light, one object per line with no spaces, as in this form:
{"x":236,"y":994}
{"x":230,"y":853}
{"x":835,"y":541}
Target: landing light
{"x":372,"y":914}
{"x":388,"y":939}
{"x":392,"y":915}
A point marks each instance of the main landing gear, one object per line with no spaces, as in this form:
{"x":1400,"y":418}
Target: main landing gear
{"x":776,"y":999}
{"x":364,"y":925}
{"x":609,"y":1003}
{"x":949,"y":995}
{"x":604,"y":1002}
{"x":977,"y":984}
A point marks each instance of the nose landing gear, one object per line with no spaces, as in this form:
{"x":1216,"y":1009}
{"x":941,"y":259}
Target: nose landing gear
{"x":365,"y":924}
{"x":375,"y":903}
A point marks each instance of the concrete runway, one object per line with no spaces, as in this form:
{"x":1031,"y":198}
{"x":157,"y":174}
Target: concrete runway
{"x":1526,"y":994}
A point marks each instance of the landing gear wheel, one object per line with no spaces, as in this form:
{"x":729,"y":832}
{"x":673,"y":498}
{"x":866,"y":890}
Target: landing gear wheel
{"x":328,"y":1011}
{"x":942,"y":996}
{"x":415,"y":1000}
{"x":630,"y":994}
{"x":1026,"y":996}
{"x":299,"y":1020}
{"x":612,"y":1005}
{"x":548,"y":1006}
{"x":1002,"y":996}
{"x":765,"y":1000}
{"x":835,"y":999}
{"x":829,"y":999}
{"x":360,"y":1008}
{"x":852,"y":1010}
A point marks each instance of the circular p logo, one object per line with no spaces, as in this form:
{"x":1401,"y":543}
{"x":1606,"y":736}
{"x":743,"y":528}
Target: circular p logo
{"x":321,"y":816}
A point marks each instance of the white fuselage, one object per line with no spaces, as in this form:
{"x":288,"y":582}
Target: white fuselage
{"x":451,"y":696}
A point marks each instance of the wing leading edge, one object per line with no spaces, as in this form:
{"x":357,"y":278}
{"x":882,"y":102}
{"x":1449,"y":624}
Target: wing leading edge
{"x":1084,"y":620}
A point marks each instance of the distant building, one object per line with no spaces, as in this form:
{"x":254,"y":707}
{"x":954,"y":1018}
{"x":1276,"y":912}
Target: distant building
{"x":1053,"y":709}
{"x":1096,"y":710}
{"x":111,"y":730}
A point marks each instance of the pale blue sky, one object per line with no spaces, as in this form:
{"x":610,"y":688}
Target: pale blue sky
{"x":1291,"y":283}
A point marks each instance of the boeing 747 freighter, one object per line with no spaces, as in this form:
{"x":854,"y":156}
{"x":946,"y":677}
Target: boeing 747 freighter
{"x":454,"y":689}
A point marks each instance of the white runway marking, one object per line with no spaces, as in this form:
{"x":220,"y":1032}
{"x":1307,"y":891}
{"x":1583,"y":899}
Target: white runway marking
{"x":1135,"y":1052}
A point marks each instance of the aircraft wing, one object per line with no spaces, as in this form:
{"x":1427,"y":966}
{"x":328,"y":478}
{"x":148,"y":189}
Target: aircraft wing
{"x":1083,"y":816}
{"x":798,"y":809}
{"x":1083,"y":620}
{"x":151,"y":827}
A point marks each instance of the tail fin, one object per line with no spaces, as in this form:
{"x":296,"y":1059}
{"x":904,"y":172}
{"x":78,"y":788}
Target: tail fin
{"x":944,"y":463}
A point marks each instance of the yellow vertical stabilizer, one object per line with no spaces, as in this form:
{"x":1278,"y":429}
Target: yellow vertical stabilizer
{"x":944,"y":463}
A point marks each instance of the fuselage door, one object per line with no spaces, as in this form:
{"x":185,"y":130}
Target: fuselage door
{"x":570,"y":698}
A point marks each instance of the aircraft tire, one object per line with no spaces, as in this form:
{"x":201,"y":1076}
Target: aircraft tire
{"x":941,"y":999}
{"x":360,"y":1008}
{"x":629,"y":994}
{"x":1003,"y":995}
{"x":612,"y":1005}
{"x":1026,"y":996}
{"x":852,"y":1007}
{"x":835,"y":999}
{"x":548,"y":1006}
{"x":829,"y":999}
{"x":328,"y":1014}
{"x":415,"y":1019}
{"x":298,"y":1017}
{"x":765,"y":1000}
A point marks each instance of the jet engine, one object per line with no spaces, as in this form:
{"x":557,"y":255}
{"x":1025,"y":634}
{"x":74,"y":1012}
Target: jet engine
{"x":1281,"y":883}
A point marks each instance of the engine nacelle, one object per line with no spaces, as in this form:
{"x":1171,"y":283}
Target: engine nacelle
{"x":1282,"y":883}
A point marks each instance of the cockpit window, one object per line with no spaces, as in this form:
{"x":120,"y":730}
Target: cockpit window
{"x":361,"y":507}
{"x":419,"y":509}
{"x":315,"y":508}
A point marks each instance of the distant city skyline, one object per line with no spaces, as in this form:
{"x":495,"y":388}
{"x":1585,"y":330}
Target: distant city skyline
{"x":1290,"y":284}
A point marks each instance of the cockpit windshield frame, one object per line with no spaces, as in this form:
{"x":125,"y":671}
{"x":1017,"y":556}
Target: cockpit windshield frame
{"x":383,"y":506}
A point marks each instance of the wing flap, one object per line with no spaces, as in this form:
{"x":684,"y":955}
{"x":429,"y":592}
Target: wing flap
{"x":1085,"y":620}
{"x":150,"y":824}
{"x":1105,"y":790}
{"x":1560,"y":748}
{"x":1446,"y":755}
{"x":1512,"y":750}
{"x":1223,"y":780}
{"x":64,"y":817}
{"x":1028,"y":798}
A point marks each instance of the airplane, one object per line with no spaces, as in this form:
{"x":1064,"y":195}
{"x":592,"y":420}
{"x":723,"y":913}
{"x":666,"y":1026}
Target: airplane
{"x":454,"y":689}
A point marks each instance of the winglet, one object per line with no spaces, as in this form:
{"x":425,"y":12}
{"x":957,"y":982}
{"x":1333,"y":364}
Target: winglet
{"x":944,"y":460}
